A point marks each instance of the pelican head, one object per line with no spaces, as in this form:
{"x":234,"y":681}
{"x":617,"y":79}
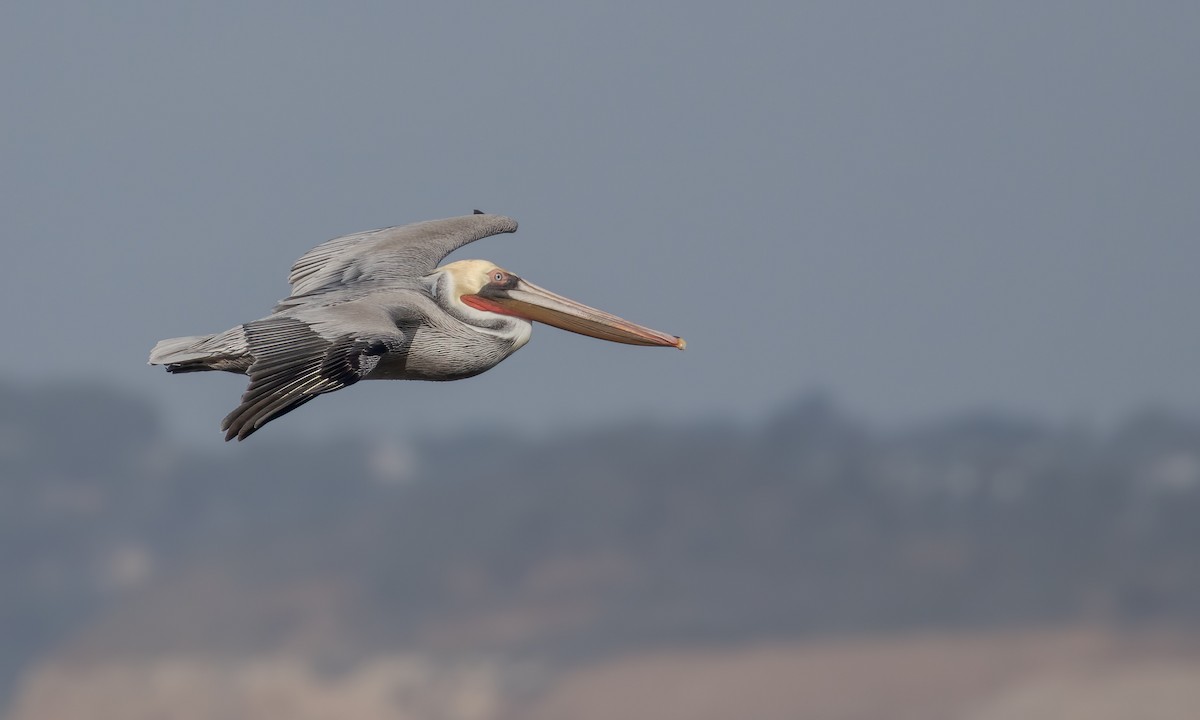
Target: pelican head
{"x":480,"y":290}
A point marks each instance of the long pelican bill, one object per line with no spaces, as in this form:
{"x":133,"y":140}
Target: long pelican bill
{"x":534,"y":303}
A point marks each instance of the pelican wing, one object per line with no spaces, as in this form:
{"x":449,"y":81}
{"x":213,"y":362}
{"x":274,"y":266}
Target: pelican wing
{"x":293,"y":364}
{"x":391,"y":253}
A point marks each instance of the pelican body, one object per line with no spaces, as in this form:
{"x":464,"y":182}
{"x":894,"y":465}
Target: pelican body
{"x":376,"y":306}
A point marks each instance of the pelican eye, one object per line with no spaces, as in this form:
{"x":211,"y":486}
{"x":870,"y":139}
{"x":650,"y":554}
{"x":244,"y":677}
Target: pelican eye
{"x":502,"y":279}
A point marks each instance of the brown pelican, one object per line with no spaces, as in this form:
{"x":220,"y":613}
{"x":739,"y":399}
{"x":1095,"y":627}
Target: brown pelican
{"x":375,"y":305}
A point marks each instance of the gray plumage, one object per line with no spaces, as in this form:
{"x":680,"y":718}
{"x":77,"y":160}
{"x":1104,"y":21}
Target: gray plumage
{"x":354,"y":300}
{"x":354,"y":265}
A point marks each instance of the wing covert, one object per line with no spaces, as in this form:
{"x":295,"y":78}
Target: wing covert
{"x":391,"y":253}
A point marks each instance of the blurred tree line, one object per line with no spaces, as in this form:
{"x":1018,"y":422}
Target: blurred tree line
{"x":583,"y":542}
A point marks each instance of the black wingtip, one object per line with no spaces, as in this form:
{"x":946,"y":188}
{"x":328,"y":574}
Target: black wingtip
{"x":478,"y":212}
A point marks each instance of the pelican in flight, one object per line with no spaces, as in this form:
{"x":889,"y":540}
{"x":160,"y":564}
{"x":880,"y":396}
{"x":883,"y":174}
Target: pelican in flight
{"x":376,"y":306}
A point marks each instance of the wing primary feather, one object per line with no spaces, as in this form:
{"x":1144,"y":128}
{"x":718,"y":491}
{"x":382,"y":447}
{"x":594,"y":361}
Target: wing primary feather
{"x":292,"y":365}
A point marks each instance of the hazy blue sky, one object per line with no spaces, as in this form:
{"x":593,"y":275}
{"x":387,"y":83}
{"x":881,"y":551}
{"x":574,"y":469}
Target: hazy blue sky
{"x":921,"y":207}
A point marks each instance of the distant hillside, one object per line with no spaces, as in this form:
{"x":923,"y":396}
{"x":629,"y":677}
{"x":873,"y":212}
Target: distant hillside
{"x":582,"y":544}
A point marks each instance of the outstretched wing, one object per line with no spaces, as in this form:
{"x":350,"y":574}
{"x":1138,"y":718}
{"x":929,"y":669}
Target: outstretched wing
{"x":391,"y":253}
{"x":293,"y":364}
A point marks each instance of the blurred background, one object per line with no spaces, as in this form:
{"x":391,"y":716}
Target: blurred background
{"x":933,"y":451}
